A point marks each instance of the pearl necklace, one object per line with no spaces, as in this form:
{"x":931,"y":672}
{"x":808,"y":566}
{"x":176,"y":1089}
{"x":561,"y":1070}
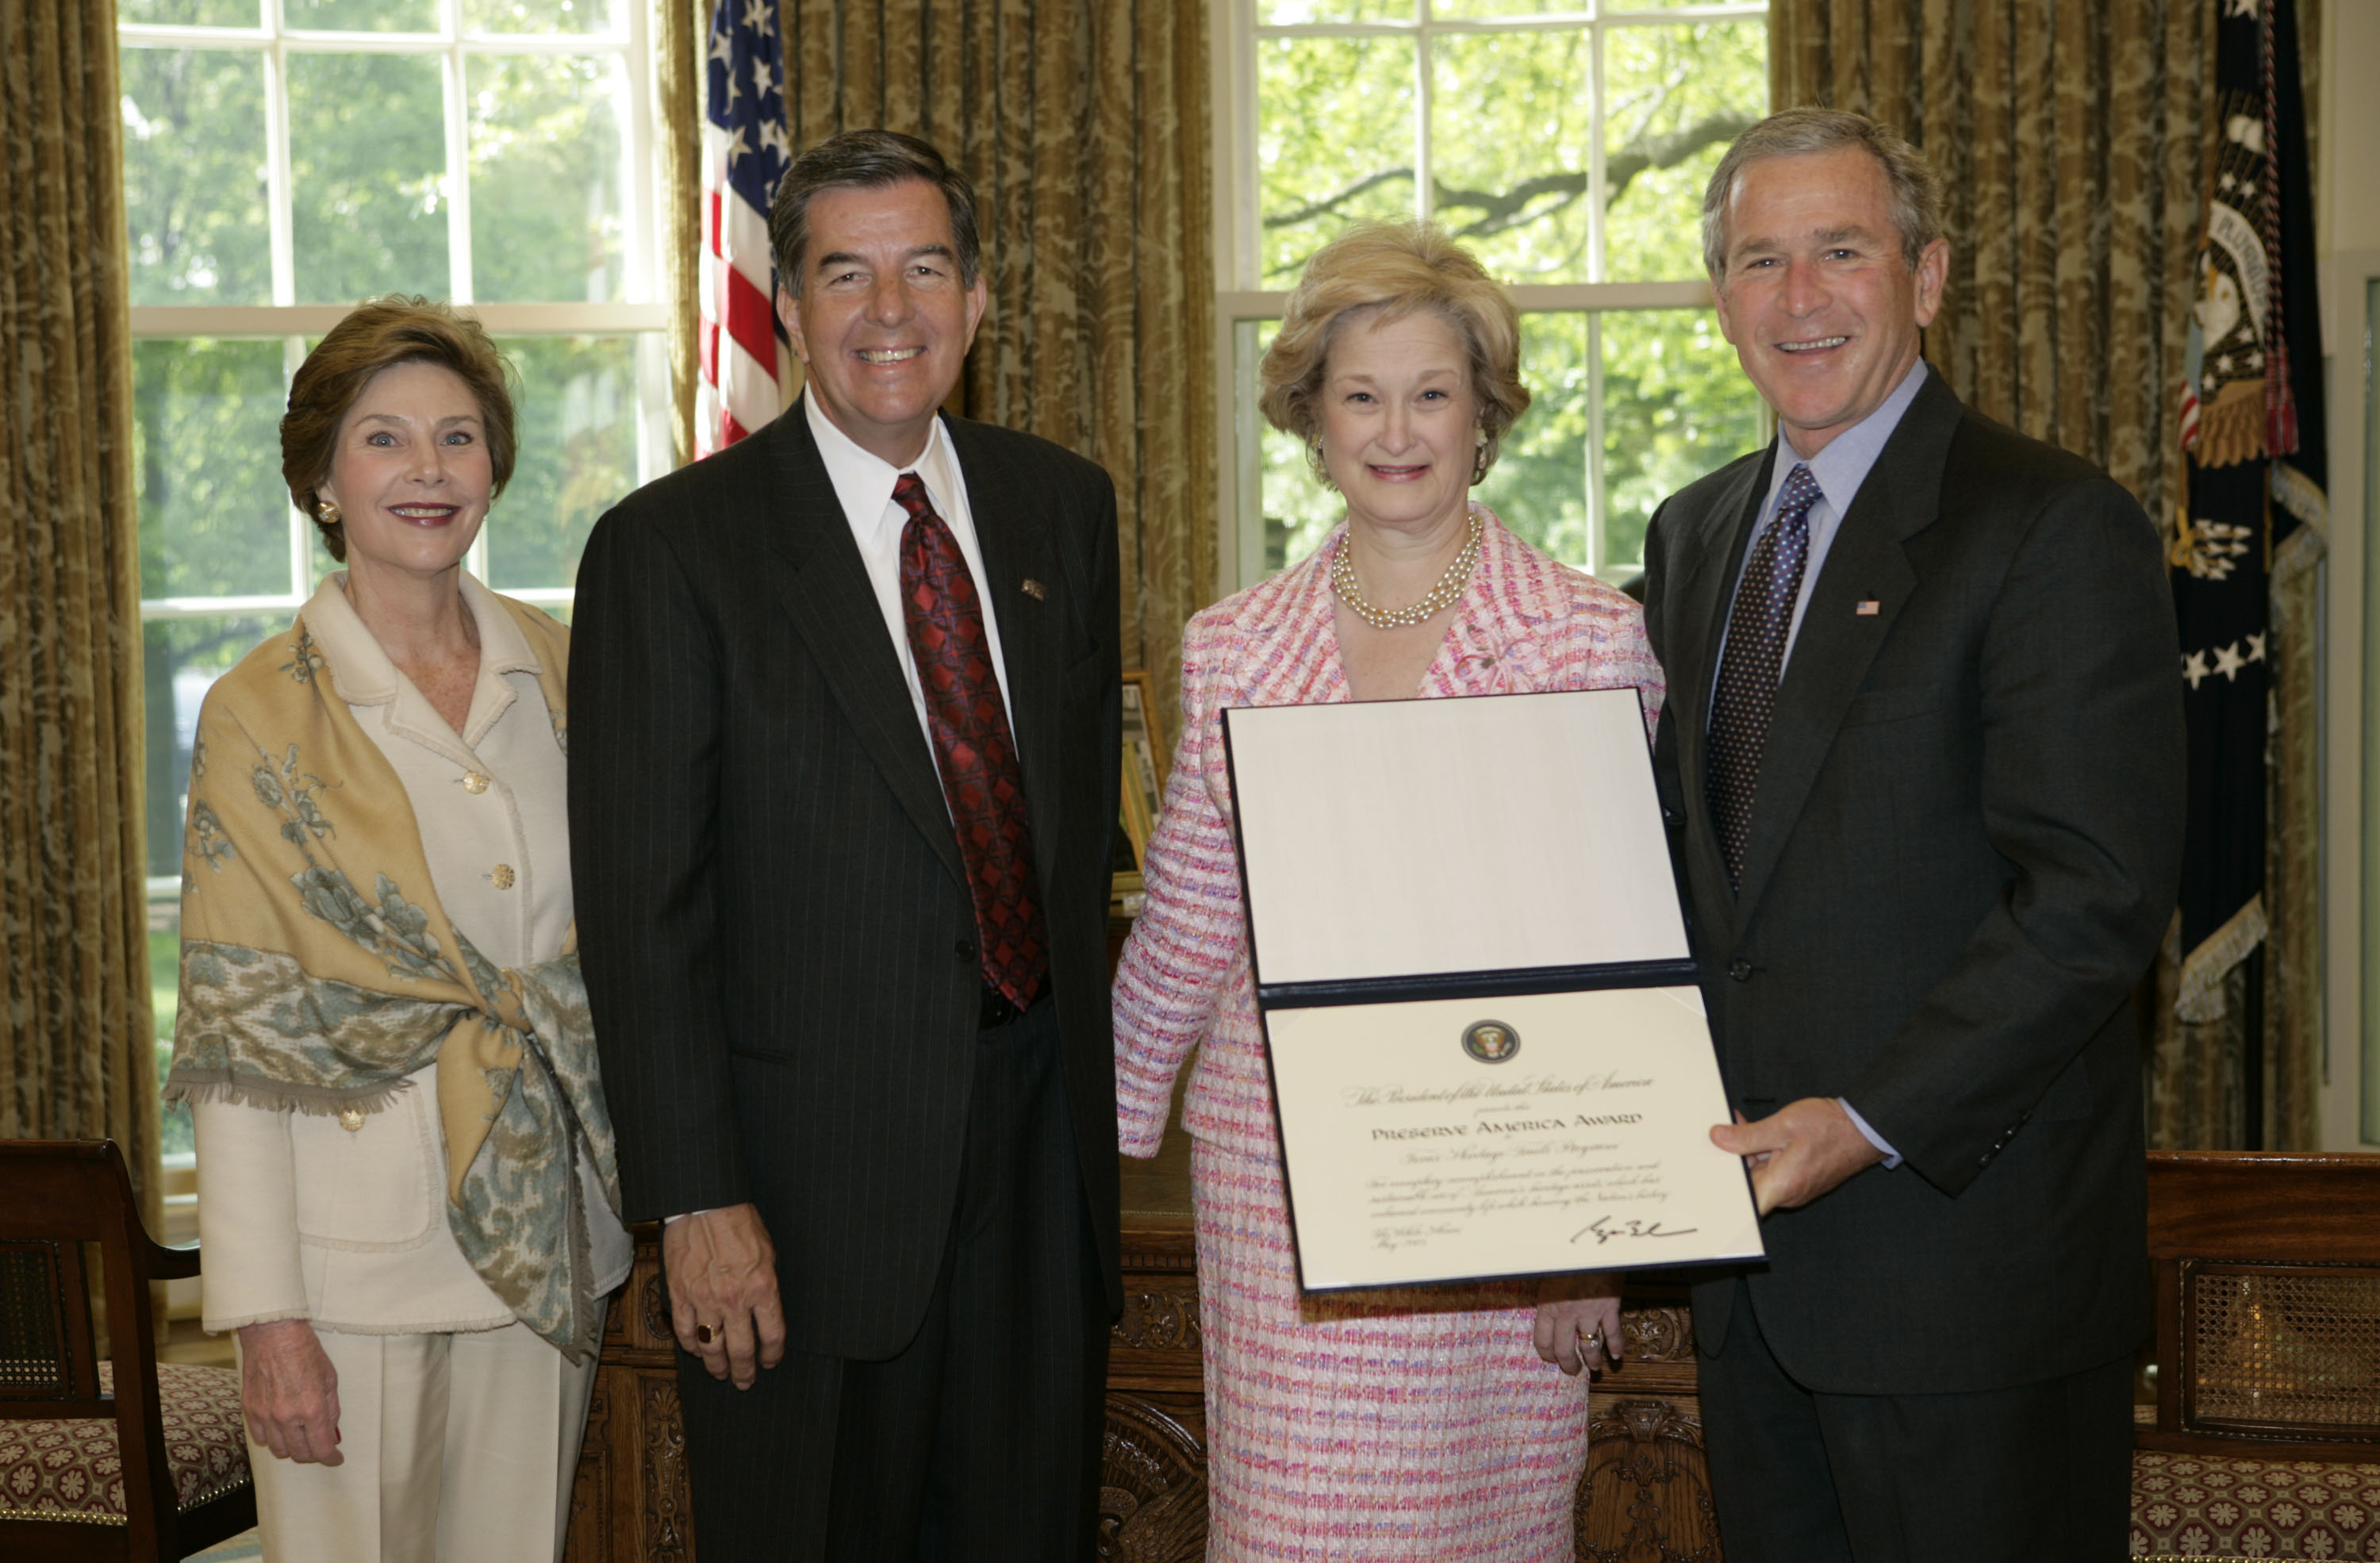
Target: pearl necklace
{"x":1449,"y":588}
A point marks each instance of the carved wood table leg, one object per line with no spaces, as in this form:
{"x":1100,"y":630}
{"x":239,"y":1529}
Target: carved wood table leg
{"x":1645,"y":1496}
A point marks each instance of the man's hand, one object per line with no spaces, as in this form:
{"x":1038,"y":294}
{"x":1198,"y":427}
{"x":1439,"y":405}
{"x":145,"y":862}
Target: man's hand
{"x":722,"y":1281}
{"x":1797,"y":1153}
{"x":1578,"y":1322}
{"x":289,"y":1392}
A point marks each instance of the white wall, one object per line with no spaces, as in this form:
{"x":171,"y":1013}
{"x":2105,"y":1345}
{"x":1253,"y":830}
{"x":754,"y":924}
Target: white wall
{"x":2348,"y":238}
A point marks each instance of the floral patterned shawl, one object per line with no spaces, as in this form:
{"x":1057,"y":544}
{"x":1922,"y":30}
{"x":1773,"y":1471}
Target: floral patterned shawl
{"x":319,"y":971}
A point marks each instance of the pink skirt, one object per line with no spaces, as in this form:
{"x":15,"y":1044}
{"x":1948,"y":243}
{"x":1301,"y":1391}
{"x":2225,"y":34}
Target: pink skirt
{"x":1416,"y":1424}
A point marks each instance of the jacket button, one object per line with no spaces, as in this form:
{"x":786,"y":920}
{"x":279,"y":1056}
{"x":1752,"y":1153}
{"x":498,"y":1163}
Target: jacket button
{"x":1741,"y":971}
{"x":966,"y":950}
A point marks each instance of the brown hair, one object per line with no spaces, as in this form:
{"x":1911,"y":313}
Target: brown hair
{"x":1386,"y":270}
{"x":376,"y":335}
{"x":1913,"y":195}
{"x":866,"y":159}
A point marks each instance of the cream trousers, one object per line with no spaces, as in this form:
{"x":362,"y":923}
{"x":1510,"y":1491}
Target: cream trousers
{"x":449,"y":1439}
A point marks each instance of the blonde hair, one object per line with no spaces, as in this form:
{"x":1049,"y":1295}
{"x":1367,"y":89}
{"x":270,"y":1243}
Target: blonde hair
{"x":1385,"y":271}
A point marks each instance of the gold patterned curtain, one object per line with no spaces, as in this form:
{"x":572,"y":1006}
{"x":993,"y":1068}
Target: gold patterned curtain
{"x":1083,"y":125}
{"x":2071,"y":138}
{"x":76,"y":1051}
{"x":2075,"y":139}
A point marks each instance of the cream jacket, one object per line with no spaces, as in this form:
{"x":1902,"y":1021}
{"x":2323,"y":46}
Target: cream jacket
{"x":299,"y":1217}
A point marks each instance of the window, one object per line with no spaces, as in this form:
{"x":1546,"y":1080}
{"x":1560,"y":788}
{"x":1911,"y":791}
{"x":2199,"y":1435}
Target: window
{"x":1504,"y":120}
{"x":283,"y":159}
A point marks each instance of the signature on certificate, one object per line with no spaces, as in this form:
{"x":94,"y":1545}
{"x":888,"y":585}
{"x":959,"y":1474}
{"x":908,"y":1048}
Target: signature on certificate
{"x":1603,"y":1229}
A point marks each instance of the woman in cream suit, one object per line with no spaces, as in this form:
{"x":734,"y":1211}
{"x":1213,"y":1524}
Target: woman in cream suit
{"x":407,"y":1203}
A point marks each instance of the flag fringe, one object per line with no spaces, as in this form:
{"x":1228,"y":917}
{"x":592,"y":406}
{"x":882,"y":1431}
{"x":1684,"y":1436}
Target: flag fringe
{"x":2198,"y":995}
{"x":2300,"y":495}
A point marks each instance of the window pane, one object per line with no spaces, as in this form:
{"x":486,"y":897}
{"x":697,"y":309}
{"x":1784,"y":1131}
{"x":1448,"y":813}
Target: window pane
{"x":1678,"y":95}
{"x":544,"y":16}
{"x":1298,"y":509}
{"x":1675,"y":406}
{"x":368,"y":166}
{"x":577,"y":425}
{"x":190,"y":13}
{"x":547,"y":218}
{"x":361,"y":16}
{"x":1296,"y":13}
{"x":206,"y":452}
{"x":1334,"y":141}
{"x":176,"y":1137}
{"x":1509,"y":137}
{"x":1538,"y":484}
{"x":1471,"y":10}
{"x":194,"y":190}
{"x":181,"y":658}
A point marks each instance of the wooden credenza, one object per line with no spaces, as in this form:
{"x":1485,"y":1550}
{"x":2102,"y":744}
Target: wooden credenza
{"x":1645,"y":1498}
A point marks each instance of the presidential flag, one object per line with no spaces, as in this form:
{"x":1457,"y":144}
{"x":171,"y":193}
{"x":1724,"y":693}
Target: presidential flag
{"x":2252,"y":510}
{"x":744,"y":152}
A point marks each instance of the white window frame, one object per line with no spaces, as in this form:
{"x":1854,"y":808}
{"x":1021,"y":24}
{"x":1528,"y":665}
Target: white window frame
{"x":1233,"y":35}
{"x":453,"y":46}
{"x":2348,"y":641}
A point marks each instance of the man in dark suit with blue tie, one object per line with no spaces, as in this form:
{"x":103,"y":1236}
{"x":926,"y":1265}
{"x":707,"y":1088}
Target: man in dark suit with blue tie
{"x":1923,"y":766}
{"x":845,"y":743}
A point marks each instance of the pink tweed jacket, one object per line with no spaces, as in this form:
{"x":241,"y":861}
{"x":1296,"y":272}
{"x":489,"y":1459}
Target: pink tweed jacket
{"x":1527,"y":624}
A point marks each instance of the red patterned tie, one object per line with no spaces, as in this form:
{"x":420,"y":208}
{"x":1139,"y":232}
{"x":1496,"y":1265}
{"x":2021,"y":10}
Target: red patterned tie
{"x":978,"y":759}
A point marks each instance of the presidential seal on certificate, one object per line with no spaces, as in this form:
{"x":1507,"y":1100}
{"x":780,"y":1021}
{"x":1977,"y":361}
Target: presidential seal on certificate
{"x":1488,"y":1052}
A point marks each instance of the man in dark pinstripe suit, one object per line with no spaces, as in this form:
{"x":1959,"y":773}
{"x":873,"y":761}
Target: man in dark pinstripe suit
{"x":845,"y":722}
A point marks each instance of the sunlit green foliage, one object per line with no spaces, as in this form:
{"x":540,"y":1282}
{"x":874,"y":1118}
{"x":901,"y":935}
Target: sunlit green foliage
{"x":1677,"y":96}
{"x":363,"y":16}
{"x":188,"y":12}
{"x":366,"y":176}
{"x":547,"y":214}
{"x":542,"y":16}
{"x":1511,"y":122}
{"x":577,"y":428}
{"x":194,"y":176}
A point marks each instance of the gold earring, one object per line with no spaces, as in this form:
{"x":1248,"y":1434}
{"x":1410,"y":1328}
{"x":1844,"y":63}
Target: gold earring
{"x":327,"y":513}
{"x":1479,"y":460}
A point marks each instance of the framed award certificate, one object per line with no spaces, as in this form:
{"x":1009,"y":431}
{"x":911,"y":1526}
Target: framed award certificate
{"x":1487,"y":1048}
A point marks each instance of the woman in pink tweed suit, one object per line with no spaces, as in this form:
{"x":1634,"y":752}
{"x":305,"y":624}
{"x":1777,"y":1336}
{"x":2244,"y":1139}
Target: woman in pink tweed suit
{"x":1428,"y":1423}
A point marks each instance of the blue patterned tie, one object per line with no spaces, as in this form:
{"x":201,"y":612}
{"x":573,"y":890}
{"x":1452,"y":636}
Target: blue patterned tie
{"x":1748,"y":669}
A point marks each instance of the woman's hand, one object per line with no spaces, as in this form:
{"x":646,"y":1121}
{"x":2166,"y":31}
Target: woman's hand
{"x":289,"y":1391}
{"x":1578,"y":1322}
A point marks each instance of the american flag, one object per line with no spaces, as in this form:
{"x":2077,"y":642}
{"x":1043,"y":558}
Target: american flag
{"x":744,"y":151}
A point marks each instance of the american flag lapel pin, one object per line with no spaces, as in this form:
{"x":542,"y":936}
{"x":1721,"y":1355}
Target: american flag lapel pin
{"x":1037,"y":591}
{"x":1867,"y":608}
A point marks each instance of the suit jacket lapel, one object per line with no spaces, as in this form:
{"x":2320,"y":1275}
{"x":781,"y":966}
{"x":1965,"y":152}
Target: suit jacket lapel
{"x":1014,"y":540}
{"x":1901,"y":497}
{"x":833,"y":607}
